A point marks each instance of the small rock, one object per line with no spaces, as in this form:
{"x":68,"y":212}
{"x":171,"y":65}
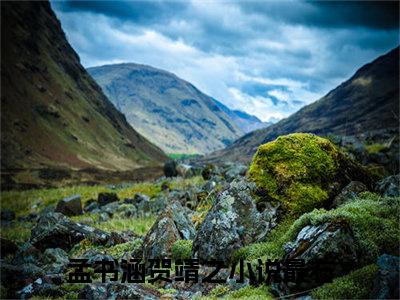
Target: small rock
{"x":106,"y":198}
{"x":389,"y":186}
{"x":386,"y":284}
{"x":170,"y":169}
{"x":91,"y":205}
{"x":185,"y":171}
{"x":70,"y":206}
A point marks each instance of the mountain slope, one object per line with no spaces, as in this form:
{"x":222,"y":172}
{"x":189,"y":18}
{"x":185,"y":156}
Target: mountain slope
{"x":167,"y":110}
{"x":243,"y":120}
{"x":367,"y":102}
{"x":53,"y":114}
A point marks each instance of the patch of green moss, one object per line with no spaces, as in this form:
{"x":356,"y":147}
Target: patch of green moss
{"x":250,"y":292}
{"x":376,"y":148}
{"x":139,"y":225}
{"x":355,"y":285}
{"x":295,"y":170}
{"x":182,"y":249}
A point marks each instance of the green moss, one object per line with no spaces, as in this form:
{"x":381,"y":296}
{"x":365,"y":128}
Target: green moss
{"x":19,"y":232}
{"x":119,"y":250}
{"x":295,"y":170}
{"x":250,"y":292}
{"x":355,"y":285}
{"x":372,"y":219}
{"x":376,"y":148}
{"x":182,"y":249}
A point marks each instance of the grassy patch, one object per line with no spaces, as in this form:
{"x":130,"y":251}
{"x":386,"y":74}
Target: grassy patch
{"x":355,"y":285}
{"x":177,"y":156}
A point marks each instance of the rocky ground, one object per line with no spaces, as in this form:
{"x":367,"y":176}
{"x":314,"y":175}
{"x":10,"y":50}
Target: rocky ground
{"x":301,"y":199}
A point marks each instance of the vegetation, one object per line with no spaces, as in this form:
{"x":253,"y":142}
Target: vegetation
{"x":178,"y":156}
{"x":182,"y":249}
{"x":376,"y":148}
{"x":355,"y":285}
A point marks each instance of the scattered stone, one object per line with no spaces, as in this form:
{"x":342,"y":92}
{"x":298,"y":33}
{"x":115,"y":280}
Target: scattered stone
{"x":182,"y":221}
{"x":54,"y":230}
{"x":106,"y":198}
{"x":185,"y":171}
{"x":349,"y":193}
{"x":70,"y":206}
{"x":389,"y":186}
{"x":91,"y":205}
{"x":232,"y":222}
{"x":170,"y":169}
{"x":235,"y":170}
{"x":209,"y":171}
{"x":386,"y":284}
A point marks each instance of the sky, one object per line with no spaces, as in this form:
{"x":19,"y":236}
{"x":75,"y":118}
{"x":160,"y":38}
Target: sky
{"x":267,"y":58}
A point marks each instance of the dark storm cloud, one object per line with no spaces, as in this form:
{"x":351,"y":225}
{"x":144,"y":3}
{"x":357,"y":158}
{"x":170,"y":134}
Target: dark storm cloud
{"x":268,"y":58}
{"x":370,"y":14}
{"x":134,"y":11}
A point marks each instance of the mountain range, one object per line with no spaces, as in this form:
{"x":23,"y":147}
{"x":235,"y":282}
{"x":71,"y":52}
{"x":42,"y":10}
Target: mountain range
{"x":365,"y":104}
{"x":53,"y":114}
{"x":171,"y":112}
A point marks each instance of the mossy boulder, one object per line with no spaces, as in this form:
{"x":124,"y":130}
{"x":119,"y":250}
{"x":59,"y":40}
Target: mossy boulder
{"x":301,"y":172}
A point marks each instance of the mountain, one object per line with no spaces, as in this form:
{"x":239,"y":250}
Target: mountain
{"x":169,"y":111}
{"x":366,"y":103}
{"x":243,"y":120}
{"x":53,"y":114}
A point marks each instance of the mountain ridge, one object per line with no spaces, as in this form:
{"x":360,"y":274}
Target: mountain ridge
{"x":364,"y":103}
{"x":168,"y":110}
{"x":54,"y":115}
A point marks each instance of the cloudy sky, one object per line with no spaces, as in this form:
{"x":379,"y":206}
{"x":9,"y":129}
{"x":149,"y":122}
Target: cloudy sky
{"x":266,"y":58}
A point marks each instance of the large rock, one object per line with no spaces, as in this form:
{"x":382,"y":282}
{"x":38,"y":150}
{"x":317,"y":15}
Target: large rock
{"x":302,"y":171}
{"x":234,"y":170}
{"x":386,"y":284}
{"x":232,"y":222}
{"x":54,"y":230}
{"x":106,"y":198}
{"x":172,"y":225}
{"x":170,"y":169}
{"x":70,"y":206}
{"x":389,"y":186}
{"x":329,"y":250}
{"x":349,"y":193}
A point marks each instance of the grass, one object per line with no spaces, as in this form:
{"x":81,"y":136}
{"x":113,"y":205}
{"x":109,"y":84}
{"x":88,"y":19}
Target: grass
{"x":138,"y":225}
{"x":24,"y":202}
{"x":376,"y":148}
